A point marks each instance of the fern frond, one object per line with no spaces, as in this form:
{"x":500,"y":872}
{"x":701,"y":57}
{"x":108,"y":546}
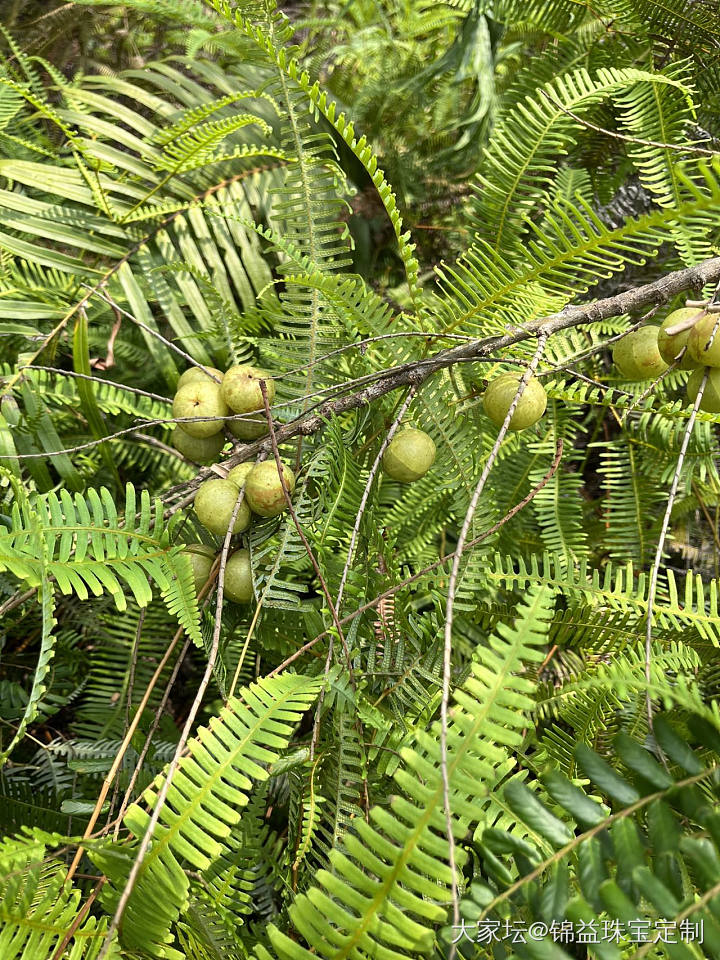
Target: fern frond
{"x":203,"y":805}
{"x":389,"y":882}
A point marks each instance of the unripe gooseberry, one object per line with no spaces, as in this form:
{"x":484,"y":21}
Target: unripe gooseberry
{"x":197,"y":374}
{"x":670,"y":346}
{"x":214,"y":505}
{"x":637,"y":356}
{"x":202,"y":558}
{"x":238,"y":583}
{"x":263,"y":488}
{"x":250,"y":428}
{"x":198,"y":449}
{"x":703,"y":352}
{"x":711,"y":394}
{"x":500,"y":394}
{"x":241,"y":388}
{"x":239,"y":474}
{"x":201,"y":398}
{"x":409,"y":455}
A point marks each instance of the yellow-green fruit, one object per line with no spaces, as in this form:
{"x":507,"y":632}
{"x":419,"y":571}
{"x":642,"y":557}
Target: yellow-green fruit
{"x":263,"y":489}
{"x":637,"y":355}
{"x":201,"y":398}
{"x":214,"y":505}
{"x":409,"y":455}
{"x":699,"y":347}
{"x":711,"y":394}
{"x":249,"y":429}
{"x":202,"y":558}
{"x":195,"y":374}
{"x":238,"y":584}
{"x":198,"y":449}
{"x":241,"y":388}
{"x":670,"y":346}
{"x":239,"y":474}
{"x":500,"y":394}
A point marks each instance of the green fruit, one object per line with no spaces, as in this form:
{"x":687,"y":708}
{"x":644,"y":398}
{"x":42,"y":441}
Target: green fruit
{"x":500,"y":394}
{"x":202,"y":558}
{"x":197,"y":374}
{"x":239,"y":474}
{"x":249,"y":429}
{"x":637,"y":356}
{"x":201,"y":398}
{"x":711,"y":394}
{"x":263,"y":488}
{"x":670,"y":346}
{"x":409,"y":455}
{"x":701,"y":351}
{"x":241,"y":388}
{"x":214,"y":505}
{"x":238,"y":583}
{"x":198,"y":449}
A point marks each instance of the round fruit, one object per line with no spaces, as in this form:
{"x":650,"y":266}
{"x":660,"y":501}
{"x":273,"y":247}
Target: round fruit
{"x":711,"y":394}
{"x":239,"y":474}
{"x":201,"y":398}
{"x":197,"y":449}
{"x":637,"y":356}
{"x":214,"y":505}
{"x":699,"y":347}
{"x":238,"y":583}
{"x":670,"y":346}
{"x":196,"y":374}
{"x":263,"y":488}
{"x":202,"y":558}
{"x":249,"y":429}
{"x":241,"y":388}
{"x":500,"y":394}
{"x":409,"y":455}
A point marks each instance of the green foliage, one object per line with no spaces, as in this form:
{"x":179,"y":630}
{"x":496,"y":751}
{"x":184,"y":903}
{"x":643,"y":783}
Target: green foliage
{"x":337,"y":192}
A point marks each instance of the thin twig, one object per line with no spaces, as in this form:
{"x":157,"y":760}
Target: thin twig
{"x":391,"y":591}
{"x":351,"y":551}
{"x":683,"y":148}
{"x":198,"y":198}
{"x":187,"y":729}
{"x":78,"y":919}
{"x":128,"y":702}
{"x":127,"y":739}
{"x":301,"y":534}
{"x":108,"y":383}
{"x":148,"y":740}
{"x":655,"y":571}
{"x":16,"y":601}
{"x":449,"y":610}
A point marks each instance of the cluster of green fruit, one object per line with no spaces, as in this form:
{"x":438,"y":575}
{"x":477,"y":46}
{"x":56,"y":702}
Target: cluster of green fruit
{"x":646,"y":353}
{"x":211,"y":396}
{"x":204,"y":398}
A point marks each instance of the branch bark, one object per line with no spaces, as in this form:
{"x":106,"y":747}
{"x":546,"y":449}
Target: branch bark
{"x":418,"y":371}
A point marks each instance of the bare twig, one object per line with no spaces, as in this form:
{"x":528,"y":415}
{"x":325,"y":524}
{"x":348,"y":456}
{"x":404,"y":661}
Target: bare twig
{"x":655,"y":571}
{"x":127,"y":739}
{"x":682,"y":148}
{"x":417,"y":371}
{"x":108,"y":383}
{"x":452,"y":586}
{"x":351,"y":552}
{"x":391,"y":591}
{"x":301,"y":533}
{"x":78,"y":919}
{"x":187,"y":729}
{"x":111,"y":271}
